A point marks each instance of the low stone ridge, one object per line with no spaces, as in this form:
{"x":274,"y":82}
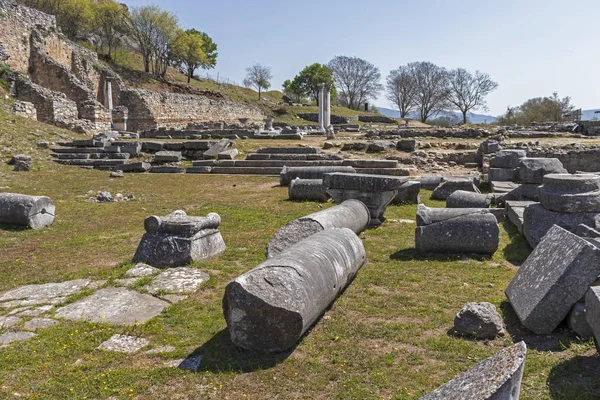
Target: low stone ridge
{"x":532,"y":170}
{"x":178,"y":280}
{"x":537,"y":221}
{"x":35,"y":212}
{"x":464,"y":199}
{"x":10,"y":337}
{"x":288,"y":174}
{"x":375,"y":191}
{"x":124,"y":344}
{"x":8,"y":321}
{"x":571,"y":193}
{"x":592,"y":314}
{"x":479,"y":321}
{"x":269,"y":308}
{"x":451,"y":185}
{"x":474,"y":231}
{"x":495,"y":378}
{"x":553,"y":278}
{"x":307,"y":190}
{"x":351,"y":214}
{"x":178,"y":239}
{"x":47,"y":293}
{"x":117,"y":306}
{"x":577,"y":321}
{"x":408,"y":193}
{"x":39,"y":323}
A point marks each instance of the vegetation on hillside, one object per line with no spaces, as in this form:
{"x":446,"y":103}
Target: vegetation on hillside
{"x":540,"y":109}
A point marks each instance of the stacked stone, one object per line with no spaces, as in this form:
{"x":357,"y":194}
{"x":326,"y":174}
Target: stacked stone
{"x":178,"y":239}
{"x":503,"y":165}
{"x":565,"y":200}
{"x":530,"y":174}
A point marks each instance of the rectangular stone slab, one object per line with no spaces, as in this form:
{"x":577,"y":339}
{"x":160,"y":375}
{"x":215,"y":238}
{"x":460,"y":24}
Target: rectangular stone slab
{"x":554,"y":277}
{"x":363,"y":182}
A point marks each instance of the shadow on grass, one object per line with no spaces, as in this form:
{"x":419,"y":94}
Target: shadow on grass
{"x":557,"y":341}
{"x":518,"y":249}
{"x":219,"y":354}
{"x":13,"y":228}
{"x":411,"y":254}
{"x":575,"y":378}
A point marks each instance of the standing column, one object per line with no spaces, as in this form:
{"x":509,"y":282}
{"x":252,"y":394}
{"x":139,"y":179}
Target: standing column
{"x":321,"y":107}
{"x":327,"y":107}
{"x":108,"y":96}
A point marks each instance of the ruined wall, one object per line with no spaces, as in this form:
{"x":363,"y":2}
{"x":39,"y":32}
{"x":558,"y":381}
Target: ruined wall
{"x":587,"y":160}
{"x":150,"y":110}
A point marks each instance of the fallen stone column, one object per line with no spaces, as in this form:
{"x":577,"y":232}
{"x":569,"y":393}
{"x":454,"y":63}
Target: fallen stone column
{"x":554,"y":277}
{"x":178,"y":239}
{"x":426,"y":215}
{"x":471,"y":232}
{"x":269,"y":308}
{"x":498,"y":377}
{"x":35,"y":212}
{"x":464,"y":199}
{"x":290,"y":173}
{"x":307,"y":189}
{"x":571,"y":193}
{"x":351,"y":214}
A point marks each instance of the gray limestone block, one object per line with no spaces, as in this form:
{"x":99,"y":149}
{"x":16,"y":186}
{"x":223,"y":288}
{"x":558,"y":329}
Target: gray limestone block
{"x":153,"y":146}
{"x":118,"y":306}
{"x":500,"y":174}
{"x":577,"y":321}
{"x":532,"y":170}
{"x":495,"y":378}
{"x":351,"y":214}
{"x":464,"y":199}
{"x":479,"y":321}
{"x":429,"y":182}
{"x":179,"y":223}
{"x":537,"y":221}
{"x":592,"y":312}
{"x":136,"y":167}
{"x":44,"y":293}
{"x":10,"y":337}
{"x":363,"y":182}
{"x":180,"y":280}
{"x":585,"y":231}
{"x":515,"y":211}
{"x":228,"y":154}
{"x":553,"y":278}
{"x":287,"y":150}
{"x":39,"y":323}
{"x":426,"y":215}
{"x":159,"y":169}
{"x":35,"y":212}
{"x":406,"y":145}
{"x":20,"y":158}
{"x":507,"y":159}
{"x":450,"y":185}
{"x":167,"y":156}
{"x":371,"y":163}
{"x":217,"y":148}
{"x":408,"y":193}
{"x":288,"y":174}
{"x":269,"y":308}
{"x":198,"y":170}
{"x":307,"y":189}
{"x":124,"y":344}
{"x":570,"y":193}
{"x":469,"y":233}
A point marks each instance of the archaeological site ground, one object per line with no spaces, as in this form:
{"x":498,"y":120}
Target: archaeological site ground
{"x":166,"y":240}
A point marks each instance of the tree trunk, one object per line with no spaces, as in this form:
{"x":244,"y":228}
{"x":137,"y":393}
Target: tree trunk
{"x":259,"y":92}
{"x":464,"y":113}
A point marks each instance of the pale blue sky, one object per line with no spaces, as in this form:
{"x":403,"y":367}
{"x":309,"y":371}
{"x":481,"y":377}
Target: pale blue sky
{"x":530,"y":47}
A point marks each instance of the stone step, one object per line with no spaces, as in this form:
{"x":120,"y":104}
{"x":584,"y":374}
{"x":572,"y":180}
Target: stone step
{"x":160,"y":169}
{"x":384,"y":171}
{"x":78,"y":150}
{"x":72,"y":156}
{"x":291,"y":157}
{"x":371,"y":163}
{"x":515,"y":211}
{"x":365,"y":164}
{"x":287,"y":150}
{"x":246,"y":170}
{"x":93,"y":163}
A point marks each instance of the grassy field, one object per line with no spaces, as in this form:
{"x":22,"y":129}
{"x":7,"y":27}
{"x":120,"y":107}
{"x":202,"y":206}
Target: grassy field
{"x":385,"y":337}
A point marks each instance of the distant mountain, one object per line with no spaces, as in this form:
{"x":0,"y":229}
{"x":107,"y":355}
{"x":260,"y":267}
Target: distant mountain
{"x":471,"y":117}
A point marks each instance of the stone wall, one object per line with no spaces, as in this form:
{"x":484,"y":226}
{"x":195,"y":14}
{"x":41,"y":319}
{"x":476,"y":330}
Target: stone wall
{"x":335,"y":119}
{"x":379,"y":119}
{"x":150,"y":110}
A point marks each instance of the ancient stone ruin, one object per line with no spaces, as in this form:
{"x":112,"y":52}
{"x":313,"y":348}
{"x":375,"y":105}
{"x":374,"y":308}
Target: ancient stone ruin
{"x":35,"y":212}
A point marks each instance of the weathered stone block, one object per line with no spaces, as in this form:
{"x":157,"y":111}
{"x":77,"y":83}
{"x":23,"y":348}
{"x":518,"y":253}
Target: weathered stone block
{"x":495,"y":378}
{"x":577,"y":321}
{"x":269,"y":308}
{"x":553,"y":278}
{"x":167,"y":156}
{"x":507,"y":159}
{"x":500,"y":174}
{"x":450,"y":185}
{"x":479,"y":321}
{"x":571,"y":193}
{"x":464,"y":199}
{"x":35,"y":212}
{"x":592,"y":312}
{"x":216,"y":148}
{"x":287,"y":174}
{"x":408,"y":193}
{"x":307,"y":189}
{"x":407,"y":145}
{"x":532,"y":170}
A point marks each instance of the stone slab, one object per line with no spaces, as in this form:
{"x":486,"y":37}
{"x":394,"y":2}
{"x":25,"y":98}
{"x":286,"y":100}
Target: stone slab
{"x":116,"y":306}
{"x":39,"y":323}
{"x":10,"y":337}
{"x":515,"y":210}
{"x":141,"y":269}
{"x":44,"y":293}
{"x":178,"y":280}
{"x":124,"y":344}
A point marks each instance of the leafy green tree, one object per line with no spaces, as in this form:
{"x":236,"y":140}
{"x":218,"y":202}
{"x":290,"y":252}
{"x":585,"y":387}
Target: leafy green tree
{"x":109,"y":22}
{"x":292,"y":90}
{"x":259,"y":77}
{"x":188,"y":50}
{"x":310,"y":79}
{"x":539,"y":109}
{"x":73,"y":17}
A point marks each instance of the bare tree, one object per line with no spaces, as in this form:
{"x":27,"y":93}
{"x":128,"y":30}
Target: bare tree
{"x":431,"y":83}
{"x":467,"y":91}
{"x":259,"y":77}
{"x":401,"y":89}
{"x":356,"y":79}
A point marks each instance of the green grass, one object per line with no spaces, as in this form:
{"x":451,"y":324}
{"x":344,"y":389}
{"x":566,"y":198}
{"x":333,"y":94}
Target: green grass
{"x":384,"y":337}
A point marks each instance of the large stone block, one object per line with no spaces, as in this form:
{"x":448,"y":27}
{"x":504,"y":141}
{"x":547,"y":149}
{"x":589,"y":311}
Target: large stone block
{"x":351,"y":214}
{"x":464,"y":199}
{"x":451,"y":185}
{"x":495,"y":378}
{"x":532,"y":170}
{"x":553,"y":278}
{"x":269,"y":308}
{"x":178,"y":239}
{"x":571,"y":193}
{"x":476,"y":231}
{"x":577,"y":321}
{"x":307,"y":189}
{"x":500,"y":174}
{"x":408,"y":193}
{"x":592,"y":312}
{"x":515,"y":211}
{"x":537,"y":220}
{"x":35,"y":212}
{"x":507,"y":159}
{"x":375,"y":191}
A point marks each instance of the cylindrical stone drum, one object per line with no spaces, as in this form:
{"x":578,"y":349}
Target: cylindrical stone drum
{"x":33,"y":211}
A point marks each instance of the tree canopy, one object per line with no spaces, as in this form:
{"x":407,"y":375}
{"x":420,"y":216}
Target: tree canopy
{"x":259,"y":77}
